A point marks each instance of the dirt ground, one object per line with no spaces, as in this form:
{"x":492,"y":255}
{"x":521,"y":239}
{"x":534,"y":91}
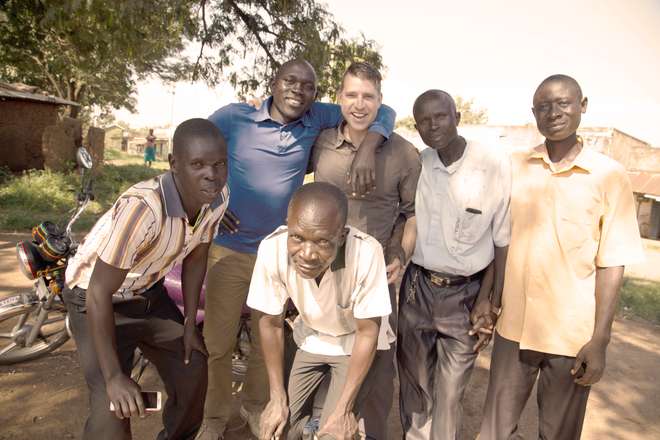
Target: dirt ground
{"x":47,"y":398}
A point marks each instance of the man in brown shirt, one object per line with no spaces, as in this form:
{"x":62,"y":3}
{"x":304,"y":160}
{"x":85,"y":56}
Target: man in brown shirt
{"x":397,"y":168}
{"x":573,"y":228}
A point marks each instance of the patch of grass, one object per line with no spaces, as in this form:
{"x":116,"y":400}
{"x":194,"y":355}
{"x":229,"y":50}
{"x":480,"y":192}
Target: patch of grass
{"x":121,"y":157}
{"x":640,"y":297}
{"x":38,"y":196}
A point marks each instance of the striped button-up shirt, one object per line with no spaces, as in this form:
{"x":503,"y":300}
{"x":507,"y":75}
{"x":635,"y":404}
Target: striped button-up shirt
{"x":146,"y":231}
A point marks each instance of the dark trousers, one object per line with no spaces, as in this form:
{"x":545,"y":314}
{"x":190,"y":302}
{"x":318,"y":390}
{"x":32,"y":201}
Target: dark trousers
{"x":376,"y":409}
{"x":513,"y":372}
{"x":152,"y":322}
{"x":433,"y":331}
{"x":304,"y":372}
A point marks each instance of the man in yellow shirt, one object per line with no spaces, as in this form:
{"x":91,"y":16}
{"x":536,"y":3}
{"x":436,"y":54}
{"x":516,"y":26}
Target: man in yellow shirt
{"x":573,"y":228}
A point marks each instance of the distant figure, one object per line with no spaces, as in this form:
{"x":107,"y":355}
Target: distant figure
{"x":573,"y":228}
{"x":150,"y":151}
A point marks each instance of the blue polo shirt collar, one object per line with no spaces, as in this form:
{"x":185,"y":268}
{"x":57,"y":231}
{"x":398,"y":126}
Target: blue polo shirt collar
{"x":263,"y":114}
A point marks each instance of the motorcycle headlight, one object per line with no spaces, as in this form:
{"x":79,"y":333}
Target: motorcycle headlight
{"x":29,"y":259}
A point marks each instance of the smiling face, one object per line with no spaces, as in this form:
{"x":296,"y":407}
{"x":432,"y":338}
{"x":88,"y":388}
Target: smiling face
{"x":200,"y":172}
{"x":436,"y":119}
{"x":314,"y":237}
{"x":294,"y":91}
{"x":558,"y":110}
{"x":360,"y":100}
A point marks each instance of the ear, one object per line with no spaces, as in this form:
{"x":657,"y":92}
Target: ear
{"x":342,"y":237}
{"x":286,"y":220}
{"x":458,"y":118}
{"x":534,"y":112}
{"x":380,"y":100}
{"x":415,"y":125}
{"x":338,"y":97}
{"x":316,"y":95}
{"x":173,"y":163}
{"x":584,"y":103}
{"x":272,"y":85}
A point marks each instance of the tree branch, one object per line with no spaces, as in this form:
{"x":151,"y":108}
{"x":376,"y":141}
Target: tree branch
{"x":206,"y":34}
{"x":52,"y":80}
{"x":243,"y":16}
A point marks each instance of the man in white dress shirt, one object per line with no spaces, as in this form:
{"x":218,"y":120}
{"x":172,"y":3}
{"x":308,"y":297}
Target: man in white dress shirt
{"x":335,"y":275}
{"x":462,"y":208}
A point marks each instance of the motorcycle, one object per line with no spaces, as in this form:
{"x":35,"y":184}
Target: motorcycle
{"x":42,"y":324}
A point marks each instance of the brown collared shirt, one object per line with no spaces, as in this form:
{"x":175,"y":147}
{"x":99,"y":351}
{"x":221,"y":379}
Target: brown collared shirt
{"x":397,"y":172}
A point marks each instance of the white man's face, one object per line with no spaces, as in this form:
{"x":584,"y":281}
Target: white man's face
{"x":359,"y":101}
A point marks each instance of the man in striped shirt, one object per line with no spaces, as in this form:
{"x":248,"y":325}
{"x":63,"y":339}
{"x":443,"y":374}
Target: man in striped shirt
{"x":115,"y":293}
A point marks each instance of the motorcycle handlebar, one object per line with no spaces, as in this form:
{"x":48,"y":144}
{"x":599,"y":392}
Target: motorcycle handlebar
{"x":89,"y":191}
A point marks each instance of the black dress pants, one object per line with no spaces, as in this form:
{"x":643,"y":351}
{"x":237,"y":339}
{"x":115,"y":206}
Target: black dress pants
{"x":152,"y":322}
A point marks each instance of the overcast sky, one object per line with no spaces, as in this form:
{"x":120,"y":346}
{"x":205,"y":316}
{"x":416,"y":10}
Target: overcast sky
{"x":496,"y":51}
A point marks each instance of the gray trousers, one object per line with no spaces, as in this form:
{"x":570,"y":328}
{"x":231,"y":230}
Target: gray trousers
{"x":305,"y":372}
{"x":433,"y":331}
{"x":154,"y":323}
{"x":376,"y":409}
{"x":513,"y":372}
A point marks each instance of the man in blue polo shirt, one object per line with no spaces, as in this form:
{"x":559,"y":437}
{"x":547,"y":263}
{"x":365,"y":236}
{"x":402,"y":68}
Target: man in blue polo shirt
{"x":269,"y":150}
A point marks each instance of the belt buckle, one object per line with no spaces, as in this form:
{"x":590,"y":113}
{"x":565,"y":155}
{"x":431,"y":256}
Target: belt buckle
{"x":440,"y":281}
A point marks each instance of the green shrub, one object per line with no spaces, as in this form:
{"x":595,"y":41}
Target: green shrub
{"x":42,"y":195}
{"x":5,"y":174}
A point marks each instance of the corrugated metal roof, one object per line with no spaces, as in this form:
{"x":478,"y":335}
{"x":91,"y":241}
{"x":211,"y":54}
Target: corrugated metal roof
{"x":13,"y":91}
{"x":645,"y":183}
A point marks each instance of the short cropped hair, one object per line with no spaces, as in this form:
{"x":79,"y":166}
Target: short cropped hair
{"x":193,"y":129}
{"x":315,"y":193}
{"x":364,"y":71}
{"x":563,"y":79}
{"x":430,"y":94}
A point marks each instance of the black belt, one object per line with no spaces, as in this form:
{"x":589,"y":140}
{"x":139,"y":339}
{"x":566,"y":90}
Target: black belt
{"x":444,"y":280}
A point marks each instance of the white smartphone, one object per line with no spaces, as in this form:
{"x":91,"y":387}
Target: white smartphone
{"x":152,"y":401}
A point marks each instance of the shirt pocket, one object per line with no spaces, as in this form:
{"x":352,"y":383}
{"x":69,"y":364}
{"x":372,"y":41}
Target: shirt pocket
{"x":346,"y":319}
{"x":575,"y":227}
{"x":469,"y":228}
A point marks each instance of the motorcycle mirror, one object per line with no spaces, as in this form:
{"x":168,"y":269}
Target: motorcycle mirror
{"x":83,"y":158}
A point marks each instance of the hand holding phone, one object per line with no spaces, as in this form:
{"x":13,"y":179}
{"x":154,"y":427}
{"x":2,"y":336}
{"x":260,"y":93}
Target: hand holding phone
{"x":152,"y":401}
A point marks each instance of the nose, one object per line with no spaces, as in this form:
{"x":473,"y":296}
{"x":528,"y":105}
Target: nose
{"x":555,"y":112}
{"x":359,"y":103}
{"x":435,"y":124}
{"x":297,"y":88}
{"x":308,"y":251}
{"x":210,"y":173}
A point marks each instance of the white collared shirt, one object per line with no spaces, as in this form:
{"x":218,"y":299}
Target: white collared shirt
{"x":462,"y":210}
{"x":354,"y":287}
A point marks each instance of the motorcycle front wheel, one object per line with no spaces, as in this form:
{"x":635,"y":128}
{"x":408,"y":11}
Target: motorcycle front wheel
{"x":17,"y":320}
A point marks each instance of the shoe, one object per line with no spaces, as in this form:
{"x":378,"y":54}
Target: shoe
{"x":252,"y":419}
{"x":208,"y":433}
{"x":310,"y":429}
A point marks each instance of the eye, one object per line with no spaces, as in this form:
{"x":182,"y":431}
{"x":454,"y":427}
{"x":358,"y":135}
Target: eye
{"x":197,"y":165}
{"x":564,"y":103}
{"x":543,"y":107}
{"x":295,"y":238}
{"x":309,"y":87}
{"x":288,"y":80}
